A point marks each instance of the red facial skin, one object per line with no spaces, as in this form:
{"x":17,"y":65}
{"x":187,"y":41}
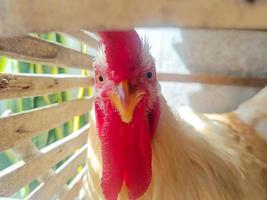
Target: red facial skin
{"x":126,"y":147}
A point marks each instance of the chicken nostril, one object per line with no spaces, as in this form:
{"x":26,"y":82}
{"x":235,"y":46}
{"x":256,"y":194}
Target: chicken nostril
{"x":251,"y":1}
{"x":132,"y":88}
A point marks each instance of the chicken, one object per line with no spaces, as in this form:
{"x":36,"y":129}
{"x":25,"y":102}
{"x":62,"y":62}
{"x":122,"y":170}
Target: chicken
{"x":138,"y":148}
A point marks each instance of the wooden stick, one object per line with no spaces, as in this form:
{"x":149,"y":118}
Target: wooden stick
{"x":213,"y":80}
{"x":27,"y":124}
{"x":66,"y":171}
{"x":26,"y":85}
{"x":27,"y":151}
{"x":24,"y":16}
{"x":75,"y":186}
{"x":28,"y":48}
{"x":41,"y":162}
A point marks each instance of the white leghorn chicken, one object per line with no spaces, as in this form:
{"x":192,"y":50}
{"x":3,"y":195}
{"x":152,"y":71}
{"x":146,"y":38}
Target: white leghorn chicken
{"x":139,"y":149}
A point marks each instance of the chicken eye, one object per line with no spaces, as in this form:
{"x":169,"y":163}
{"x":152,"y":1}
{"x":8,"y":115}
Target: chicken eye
{"x":149,"y":75}
{"x":100,"y":79}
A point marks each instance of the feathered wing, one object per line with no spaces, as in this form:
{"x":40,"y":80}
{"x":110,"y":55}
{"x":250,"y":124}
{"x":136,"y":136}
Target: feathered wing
{"x":248,"y":125}
{"x":241,"y":133}
{"x":253,"y":112}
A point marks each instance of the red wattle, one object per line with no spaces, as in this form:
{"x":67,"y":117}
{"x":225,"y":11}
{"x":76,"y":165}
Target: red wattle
{"x":113,"y":155}
{"x":138,"y":167}
{"x":126,"y":152}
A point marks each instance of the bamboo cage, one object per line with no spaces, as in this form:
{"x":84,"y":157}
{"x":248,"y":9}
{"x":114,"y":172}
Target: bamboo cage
{"x":19,"y":18}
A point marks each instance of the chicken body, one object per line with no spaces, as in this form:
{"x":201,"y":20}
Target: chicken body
{"x":198,"y":156}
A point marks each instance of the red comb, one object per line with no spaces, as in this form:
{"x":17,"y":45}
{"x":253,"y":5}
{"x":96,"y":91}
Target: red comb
{"x":123,"y":51}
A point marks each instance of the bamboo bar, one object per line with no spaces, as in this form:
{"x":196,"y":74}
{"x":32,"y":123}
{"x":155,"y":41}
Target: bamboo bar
{"x":27,"y":124}
{"x":213,"y":79}
{"x":16,"y":16}
{"x":25,"y":85}
{"x":28,"y":48}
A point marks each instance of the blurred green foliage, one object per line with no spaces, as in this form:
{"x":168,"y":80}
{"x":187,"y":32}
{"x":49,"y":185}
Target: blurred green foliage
{"x":7,"y":158}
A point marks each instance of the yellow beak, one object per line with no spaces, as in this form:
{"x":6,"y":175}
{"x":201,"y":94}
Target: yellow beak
{"x":125,"y":99}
